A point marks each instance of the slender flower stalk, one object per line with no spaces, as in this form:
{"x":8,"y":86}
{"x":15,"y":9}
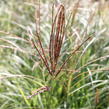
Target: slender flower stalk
{"x":38,"y":91}
{"x":56,"y":38}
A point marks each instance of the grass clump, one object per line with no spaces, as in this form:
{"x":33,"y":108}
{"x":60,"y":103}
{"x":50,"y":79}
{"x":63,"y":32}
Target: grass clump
{"x":68,"y":52}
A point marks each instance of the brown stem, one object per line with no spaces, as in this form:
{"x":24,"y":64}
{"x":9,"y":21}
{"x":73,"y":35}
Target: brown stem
{"x":70,"y":56}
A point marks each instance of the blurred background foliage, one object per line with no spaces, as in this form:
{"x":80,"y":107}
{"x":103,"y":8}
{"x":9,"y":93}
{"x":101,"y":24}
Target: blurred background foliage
{"x":84,"y":80}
